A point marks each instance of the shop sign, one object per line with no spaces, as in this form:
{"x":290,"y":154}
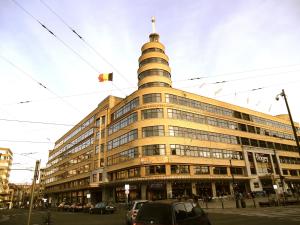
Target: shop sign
{"x":126,"y":187}
{"x":261,"y":158}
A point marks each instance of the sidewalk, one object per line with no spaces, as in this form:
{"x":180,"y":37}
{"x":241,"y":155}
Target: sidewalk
{"x":230,"y":203}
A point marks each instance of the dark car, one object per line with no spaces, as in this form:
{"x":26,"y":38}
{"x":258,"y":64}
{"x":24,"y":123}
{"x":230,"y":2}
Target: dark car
{"x":103,"y":208}
{"x":171,"y":213}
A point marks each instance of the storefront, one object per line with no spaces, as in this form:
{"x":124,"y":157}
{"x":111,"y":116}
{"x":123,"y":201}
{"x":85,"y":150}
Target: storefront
{"x":156,"y":191}
{"x":181,"y":189}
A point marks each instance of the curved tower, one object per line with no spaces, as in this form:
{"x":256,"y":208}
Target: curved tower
{"x":154,"y":70}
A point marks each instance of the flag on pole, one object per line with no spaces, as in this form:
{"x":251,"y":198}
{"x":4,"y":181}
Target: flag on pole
{"x":105,"y":77}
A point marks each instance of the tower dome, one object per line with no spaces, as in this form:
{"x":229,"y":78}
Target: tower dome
{"x":154,"y":70}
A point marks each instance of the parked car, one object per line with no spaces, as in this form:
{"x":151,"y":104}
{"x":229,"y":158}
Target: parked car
{"x":133,"y":210}
{"x":103,"y":208}
{"x":170,"y":212}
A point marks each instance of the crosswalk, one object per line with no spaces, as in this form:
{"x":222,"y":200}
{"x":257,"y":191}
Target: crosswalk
{"x":286,"y":213}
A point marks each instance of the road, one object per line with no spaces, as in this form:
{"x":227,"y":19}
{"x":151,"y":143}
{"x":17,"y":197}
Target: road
{"x":248,"y":216}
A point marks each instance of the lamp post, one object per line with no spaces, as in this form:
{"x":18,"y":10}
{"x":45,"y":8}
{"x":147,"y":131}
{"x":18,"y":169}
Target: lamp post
{"x":290,"y":116}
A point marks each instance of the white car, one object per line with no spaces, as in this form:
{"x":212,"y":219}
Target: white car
{"x":133,"y":210}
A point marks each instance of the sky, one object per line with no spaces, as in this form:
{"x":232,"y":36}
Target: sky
{"x":242,"y":52}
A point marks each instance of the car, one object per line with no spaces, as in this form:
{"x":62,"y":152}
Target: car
{"x":133,"y":210}
{"x":103,"y":208}
{"x":170,"y":212}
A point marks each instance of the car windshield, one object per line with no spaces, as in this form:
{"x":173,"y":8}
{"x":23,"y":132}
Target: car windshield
{"x":155,"y":214}
{"x":139,"y":205}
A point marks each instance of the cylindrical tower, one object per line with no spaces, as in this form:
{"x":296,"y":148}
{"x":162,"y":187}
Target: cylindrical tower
{"x":154,"y":70}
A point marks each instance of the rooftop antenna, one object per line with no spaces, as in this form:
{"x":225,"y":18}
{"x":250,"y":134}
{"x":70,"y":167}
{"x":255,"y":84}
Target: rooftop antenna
{"x":153,"y":24}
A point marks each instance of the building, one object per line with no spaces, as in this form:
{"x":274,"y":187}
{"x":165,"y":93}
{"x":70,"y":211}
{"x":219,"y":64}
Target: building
{"x":167,"y":143}
{"x":20,"y":195}
{"x":6,"y":157}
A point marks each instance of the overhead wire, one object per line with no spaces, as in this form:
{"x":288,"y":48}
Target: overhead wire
{"x":38,"y":82}
{"x":63,"y":42}
{"x":238,"y":72}
{"x":83,"y":40}
{"x":36,"y":122}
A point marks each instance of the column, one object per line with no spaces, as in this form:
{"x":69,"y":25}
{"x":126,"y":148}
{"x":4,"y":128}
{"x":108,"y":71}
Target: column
{"x":143,"y":191}
{"x":194,"y":190}
{"x":169,"y":189}
{"x":272,"y":164}
{"x":104,"y":194}
{"x":213,"y":188}
{"x":245,"y":155}
{"x":231,"y":188}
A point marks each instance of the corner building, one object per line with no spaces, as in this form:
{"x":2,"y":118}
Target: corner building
{"x":167,"y":143}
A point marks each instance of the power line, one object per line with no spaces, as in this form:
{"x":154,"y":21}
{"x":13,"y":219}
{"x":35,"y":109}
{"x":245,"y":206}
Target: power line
{"x":26,"y":141}
{"x":39,"y":83}
{"x":85,"y":42}
{"x":36,"y":122}
{"x":238,"y":72}
{"x":61,"y":41}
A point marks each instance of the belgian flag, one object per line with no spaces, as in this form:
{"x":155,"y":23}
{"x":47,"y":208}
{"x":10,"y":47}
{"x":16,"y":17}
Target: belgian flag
{"x":105,"y":77}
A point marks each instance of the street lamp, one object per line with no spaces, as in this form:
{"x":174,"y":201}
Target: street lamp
{"x":290,"y":116}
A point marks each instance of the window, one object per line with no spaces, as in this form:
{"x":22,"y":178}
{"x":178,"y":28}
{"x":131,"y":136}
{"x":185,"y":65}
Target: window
{"x":156,"y":170}
{"x":126,"y":108}
{"x":153,"y":131}
{"x":123,"y":156}
{"x":123,"y":123}
{"x":236,"y":170}
{"x":201,"y":169}
{"x":149,"y":150}
{"x":153,"y":60}
{"x":217,"y":153}
{"x":220,"y":170}
{"x":152,"y":113}
{"x":123,"y":139}
{"x":256,"y":185}
{"x":180,"y":212}
{"x":180,"y":169}
{"x":154,"y":97}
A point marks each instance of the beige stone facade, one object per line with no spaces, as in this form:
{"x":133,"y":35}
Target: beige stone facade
{"x":6,"y":157}
{"x":169,"y":143}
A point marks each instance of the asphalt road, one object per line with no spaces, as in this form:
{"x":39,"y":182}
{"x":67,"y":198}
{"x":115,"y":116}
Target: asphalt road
{"x":259,"y":216}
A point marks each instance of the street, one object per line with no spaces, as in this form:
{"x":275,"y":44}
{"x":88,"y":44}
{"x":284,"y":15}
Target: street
{"x":248,"y":216}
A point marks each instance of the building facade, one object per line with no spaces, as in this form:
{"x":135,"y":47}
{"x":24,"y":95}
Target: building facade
{"x":6,"y":157}
{"x":167,"y":143}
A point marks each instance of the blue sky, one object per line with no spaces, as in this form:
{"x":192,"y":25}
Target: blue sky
{"x":202,"y":39}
